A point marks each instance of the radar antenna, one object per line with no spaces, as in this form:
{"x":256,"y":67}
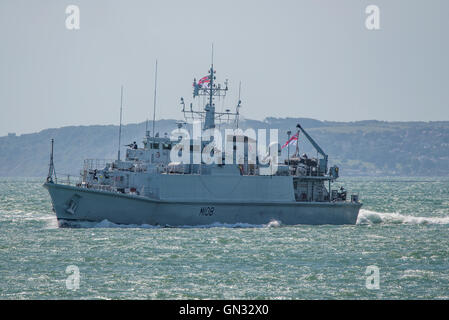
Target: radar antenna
{"x":208,"y":88}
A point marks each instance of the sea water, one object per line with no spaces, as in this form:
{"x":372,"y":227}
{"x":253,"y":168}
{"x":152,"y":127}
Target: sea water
{"x":399,"y":249}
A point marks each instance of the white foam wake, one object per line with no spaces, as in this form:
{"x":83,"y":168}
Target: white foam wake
{"x":271,"y":224}
{"x":366,"y":217}
{"x":102,"y":224}
{"x":108,"y":224}
{"x":373,"y":217}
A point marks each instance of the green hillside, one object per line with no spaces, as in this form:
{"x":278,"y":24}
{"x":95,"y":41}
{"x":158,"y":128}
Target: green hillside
{"x":359,"y":148}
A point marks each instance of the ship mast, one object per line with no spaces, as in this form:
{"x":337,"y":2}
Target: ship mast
{"x":154,"y":102}
{"x":207,"y":88}
{"x":209,"y":123}
{"x":211,"y":77}
{"x":51,"y":167}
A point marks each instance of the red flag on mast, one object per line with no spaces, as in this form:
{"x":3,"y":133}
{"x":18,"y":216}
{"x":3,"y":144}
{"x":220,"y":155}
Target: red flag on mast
{"x":204,"y":81}
{"x":292,"y":140}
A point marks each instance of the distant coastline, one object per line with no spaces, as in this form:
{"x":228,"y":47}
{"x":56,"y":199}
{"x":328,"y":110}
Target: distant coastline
{"x":360,"y":148}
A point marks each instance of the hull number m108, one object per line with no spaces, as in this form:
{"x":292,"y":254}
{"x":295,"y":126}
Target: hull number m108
{"x":207,"y":211}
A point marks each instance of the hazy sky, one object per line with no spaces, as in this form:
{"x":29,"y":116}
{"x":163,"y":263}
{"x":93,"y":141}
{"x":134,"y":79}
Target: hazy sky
{"x":299,"y":58}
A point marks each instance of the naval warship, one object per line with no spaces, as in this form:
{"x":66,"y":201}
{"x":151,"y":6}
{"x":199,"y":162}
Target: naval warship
{"x":161,"y":184}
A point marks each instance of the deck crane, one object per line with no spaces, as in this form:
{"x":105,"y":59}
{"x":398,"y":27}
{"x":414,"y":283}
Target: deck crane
{"x":322,"y":164}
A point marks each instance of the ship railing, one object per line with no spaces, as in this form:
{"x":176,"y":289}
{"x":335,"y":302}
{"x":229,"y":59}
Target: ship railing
{"x":96,"y":186}
{"x":102,"y":187}
{"x":146,"y":191}
{"x":68,"y":179}
{"x":96,"y":164}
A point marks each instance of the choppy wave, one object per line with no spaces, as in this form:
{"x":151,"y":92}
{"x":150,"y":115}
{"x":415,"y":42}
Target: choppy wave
{"x":108,"y":224}
{"x":102,"y":224}
{"x":271,"y":224}
{"x":373,"y":217}
{"x":366,"y":217}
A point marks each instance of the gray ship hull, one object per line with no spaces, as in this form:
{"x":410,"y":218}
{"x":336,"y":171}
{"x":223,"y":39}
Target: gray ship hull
{"x":80,"y":204}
